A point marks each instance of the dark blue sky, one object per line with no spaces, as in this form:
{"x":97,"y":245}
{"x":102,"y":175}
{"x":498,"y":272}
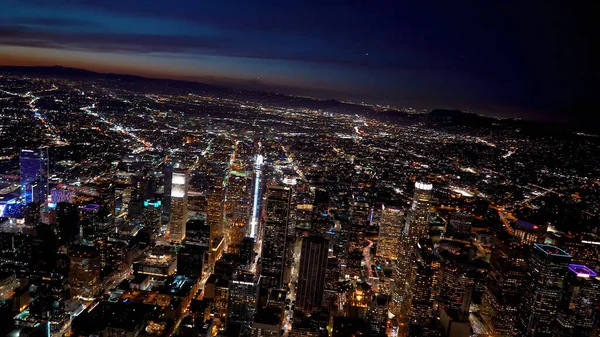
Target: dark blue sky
{"x":531,"y":59}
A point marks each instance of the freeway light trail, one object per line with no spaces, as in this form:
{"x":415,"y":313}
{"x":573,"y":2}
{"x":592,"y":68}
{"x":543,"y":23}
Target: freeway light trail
{"x":254,"y":221}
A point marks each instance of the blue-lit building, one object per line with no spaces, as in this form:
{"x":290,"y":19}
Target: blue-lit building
{"x":34,"y":175}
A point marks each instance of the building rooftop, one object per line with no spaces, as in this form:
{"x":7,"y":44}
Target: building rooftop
{"x":582,"y":271}
{"x":551,"y":250}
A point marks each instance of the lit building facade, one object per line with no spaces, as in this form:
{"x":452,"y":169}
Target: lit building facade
{"x":390,"y":232}
{"x":277,"y":210}
{"x":34,"y":175}
{"x":178,"y":205}
{"x":543,"y":290}
{"x":581,"y":292}
{"x":311,"y":276}
{"x":84,"y":271}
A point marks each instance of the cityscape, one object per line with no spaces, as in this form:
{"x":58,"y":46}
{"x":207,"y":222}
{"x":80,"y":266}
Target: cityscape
{"x":165,"y":207}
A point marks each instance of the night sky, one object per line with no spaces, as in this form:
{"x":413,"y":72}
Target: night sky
{"x":529,"y":59}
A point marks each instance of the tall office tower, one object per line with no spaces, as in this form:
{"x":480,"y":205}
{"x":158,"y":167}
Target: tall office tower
{"x":191,"y":259}
{"x":136,"y":203}
{"x":417,"y":226}
{"x":166,"y":202}
{"x":178,"y":200}
{"x":504,"y":288}
{"x":581,"y":292}
{"x":320,"y":221}
{"x":241,"y":304}
{"x":543,"y":290}
{"x":421,"y":285}
{"x":459,"y":225}
{"x":311,"y":276}
{"x":49,"y":302}
{"x":112,"y":256}
{"x":390,"y":231}
{"x":34,"y":175}
{"x":84,"y":271}
{"x":378,"y":314}
{"x":277,"y":210}
{"x":215,"y":212}
{"x":457,"y":291}
{"x":247,"y":252}
{"x":359,"y":221}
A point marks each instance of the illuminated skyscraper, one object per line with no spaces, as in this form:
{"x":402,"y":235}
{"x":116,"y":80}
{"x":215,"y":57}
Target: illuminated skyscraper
{"x":311,"y":276}
{"x":390,"y":231}
{"x":241,"y":304}
{"x":34,"y":175}
{"x":215,"y":212}
{"x":504,"y":288}
{"x":178,"y":204}
{"x":84,"y":271}
{"x":422,"y":284}
{"x":274,"y":238}
{"x":581,"y":292}
{"x":417,"y":226}
{"x":457,"y":290}
{"x":543,"y":290}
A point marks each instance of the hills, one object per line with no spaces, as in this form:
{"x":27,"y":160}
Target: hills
{"x":437,"y":118}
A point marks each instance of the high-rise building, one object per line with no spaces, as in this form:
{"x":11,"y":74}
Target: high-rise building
{"x":320,"y":221}
{"x":191,"y":259}
{"x":311,"y":276}
{"x":421,"y":285}
{"x":543,"y":290}
{"x":241,"y":304}
{"x":178,"y":200}
{"x":581,"y":292}
{"x":459,"y":225}
{"x":277,"y":210}
{"x":504,"y":288}
{"x":457,"y":290}
{"x":84,"y":271}
{"x":417,"y":226}
{"x":247,"y":252}
{"x":214,"y":218}
{"x":34,"y":175}
{"x":359,"y":221}
{"x":390,"y":231}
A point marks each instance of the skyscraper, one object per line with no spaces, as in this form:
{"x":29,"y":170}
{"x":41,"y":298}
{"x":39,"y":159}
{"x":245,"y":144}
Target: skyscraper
{"x":34,"y":175}
{"x":178,"y":200}
{"x":241,"y":304}
{"x":320,"y":223}
{"x":504,"y":288}
{"x":311,"y":276}
{"x":215,"y":212}
{"x":84,"y":271}
{"x":459,"y":225}
{"x":544,"y":282}
{"x":417,"y":225}
{"x":416,"y":228}
{"x":274,"y":237}
{"x":390,"y":231}
{"x":581,"y":292}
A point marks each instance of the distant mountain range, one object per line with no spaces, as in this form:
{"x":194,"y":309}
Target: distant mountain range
{"x":437,"y":118}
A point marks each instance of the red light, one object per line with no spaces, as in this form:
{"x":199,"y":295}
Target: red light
{"x":535,"y":227}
